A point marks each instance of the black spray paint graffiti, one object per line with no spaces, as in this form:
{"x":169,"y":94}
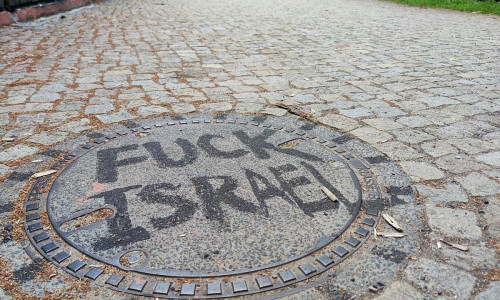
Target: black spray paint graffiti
{"x":212,"y":197}
{"x":108,"y":163}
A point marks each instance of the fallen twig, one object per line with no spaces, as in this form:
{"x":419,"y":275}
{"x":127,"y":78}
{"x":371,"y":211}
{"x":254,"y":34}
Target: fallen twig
{"x":44,"y":173}
{"x":457,"y":246}
{"x":392,"y":222}
{"x":391,"y":234}
{"x":294,"y":110}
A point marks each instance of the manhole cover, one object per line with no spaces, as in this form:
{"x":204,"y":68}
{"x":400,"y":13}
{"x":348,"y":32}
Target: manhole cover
{"x":204,"y":207}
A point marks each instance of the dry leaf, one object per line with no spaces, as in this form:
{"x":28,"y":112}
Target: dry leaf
{"x":44,"y":173}
{"x":329,"y":194}
{"x":392,"y":222}
{"x":456,"y":246}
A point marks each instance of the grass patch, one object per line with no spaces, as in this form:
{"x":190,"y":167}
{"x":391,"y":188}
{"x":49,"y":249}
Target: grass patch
{"x":484,"y":7}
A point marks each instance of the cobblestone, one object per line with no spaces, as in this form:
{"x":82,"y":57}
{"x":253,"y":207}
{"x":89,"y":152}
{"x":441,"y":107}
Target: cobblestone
{"x":116,"y":117}
{"x":183,"y":108}
{"x":479,"y":185}
{"x":421,"y":170}
{"x":371,"y":135}
{"x":151,"y":110}
{"x":492,"y":158}
{"x":17,"y":152}
{"x":4,"y":170}
{"x":339,"y":122}
{"x":433,"y":107}
{"x":433,"y":277}
{"x":491,"y":292}
{"x":454,"y":222}
{"x":450,"y":193}
{"x":279,"y":112}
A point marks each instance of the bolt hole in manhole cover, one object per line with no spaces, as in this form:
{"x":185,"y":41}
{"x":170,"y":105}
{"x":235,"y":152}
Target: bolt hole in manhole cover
{"x":221,"y":206}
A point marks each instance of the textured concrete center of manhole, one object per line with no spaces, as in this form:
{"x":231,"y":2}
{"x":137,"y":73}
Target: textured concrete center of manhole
{"x":204,"y":199}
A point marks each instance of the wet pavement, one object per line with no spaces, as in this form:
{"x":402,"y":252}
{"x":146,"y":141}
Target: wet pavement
{"x":413,"y":94}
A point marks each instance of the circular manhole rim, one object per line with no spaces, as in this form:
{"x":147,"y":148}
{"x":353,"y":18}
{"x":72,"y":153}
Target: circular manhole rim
{"x":189,"y":273}
{"x":41,"y":183}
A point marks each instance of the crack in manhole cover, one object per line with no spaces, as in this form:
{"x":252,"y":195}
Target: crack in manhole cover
{"x":205,"y":207}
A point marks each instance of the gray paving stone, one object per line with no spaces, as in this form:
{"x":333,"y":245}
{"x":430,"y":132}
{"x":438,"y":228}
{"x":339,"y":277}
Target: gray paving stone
{"x":17,"y":152}
{"x":477,"y":257}
{"x":439,"y":117}
{"x":448,"y":92}
{"x":216,"y":107}
{"x":414,"y":121}
{"x":411,"y":136}
{"x":398,"y":151}
{"x":459,"y":163}
{"x":339,"y":122}
{"x":46,"y":139}
{"x":45,"y":97}
{"x":383,"y":124}
{"x":471,"y":145}
{"x":421,"y":170}
{"x":30,"y":119}
{"x":371,"y":135}
{"x":437,"y":101}
{"x":116,"y":117}
{"x":34,"y":107}
{"x":453,"y":222}
{"x":248,"y":107}
{"x":4,"y":170}
{"x":306,"y":98}
{"x":491,"y":292}
{"x":76,"y":106}
{"x":274,"y":111}
{"x":401,"y":291}
{"x":438,"y":148}
{"x":432,"y":276}
{"x":60,"y":117}
{"x":272,"y":97}
{"x":183,"y":108}
{"x":151,"y":110}
{"x":386,"y":112}
{"x":492,"y":158}
{"x":356,"y":113}
{"x":4,"y":119}
{"x":99,"y":109}
{"x":479,"y":185}
{"x":492,"y":217}
{"x":450,"y":193}
{"x":76,"y":126}
{"x":54,"y":88}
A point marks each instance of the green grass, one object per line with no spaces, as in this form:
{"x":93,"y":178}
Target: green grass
{"x":484,"y":7}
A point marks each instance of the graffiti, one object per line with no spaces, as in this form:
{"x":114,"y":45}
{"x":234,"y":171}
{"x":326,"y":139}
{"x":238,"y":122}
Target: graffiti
{"x":212,"y":194}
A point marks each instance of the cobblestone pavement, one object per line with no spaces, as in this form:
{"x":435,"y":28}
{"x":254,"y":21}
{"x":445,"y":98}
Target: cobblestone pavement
{"x":420,"y":85}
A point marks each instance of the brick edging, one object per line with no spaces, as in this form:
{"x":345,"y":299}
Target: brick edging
{"x":40,"y":10}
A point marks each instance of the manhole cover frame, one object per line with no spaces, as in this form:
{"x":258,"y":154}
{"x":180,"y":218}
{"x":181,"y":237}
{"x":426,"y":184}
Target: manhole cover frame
{"x":36,"y":202}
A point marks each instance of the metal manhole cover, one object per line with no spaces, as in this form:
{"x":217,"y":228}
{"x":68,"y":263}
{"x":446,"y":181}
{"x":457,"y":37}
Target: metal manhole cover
{"x":204,"y":207}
